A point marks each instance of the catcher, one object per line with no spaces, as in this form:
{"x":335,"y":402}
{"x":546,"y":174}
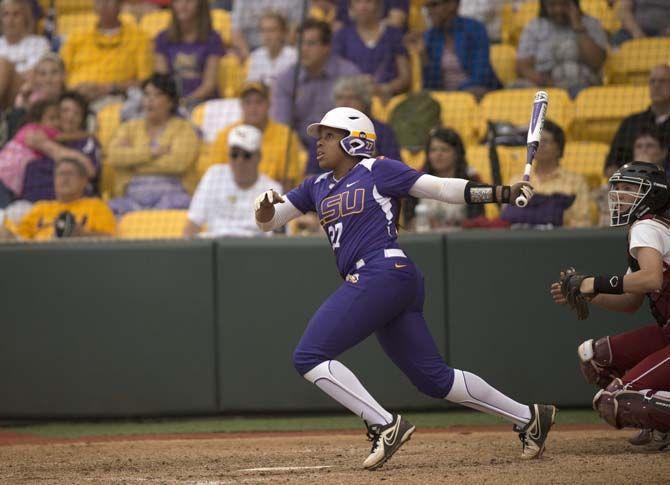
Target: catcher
{"x":633,"y":368}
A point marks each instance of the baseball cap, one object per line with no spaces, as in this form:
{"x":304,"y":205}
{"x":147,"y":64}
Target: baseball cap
{"x":246,"y":137}
{"x":254,"y":87}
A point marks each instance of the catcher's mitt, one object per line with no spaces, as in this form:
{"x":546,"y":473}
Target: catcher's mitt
{"x":570,"y":283}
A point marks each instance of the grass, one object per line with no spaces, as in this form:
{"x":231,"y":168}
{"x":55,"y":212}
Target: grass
{"x":231,"y":424}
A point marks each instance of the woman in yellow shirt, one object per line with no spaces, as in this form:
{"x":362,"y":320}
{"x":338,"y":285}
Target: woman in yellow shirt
{"x":154,"y":156}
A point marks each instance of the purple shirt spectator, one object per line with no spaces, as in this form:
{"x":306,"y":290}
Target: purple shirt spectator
{"x":38,"y":182}
{"x":378,"y":60}
{"x":313,"y":99}
{"x":343,"y":9}
{"x":187,"y":60}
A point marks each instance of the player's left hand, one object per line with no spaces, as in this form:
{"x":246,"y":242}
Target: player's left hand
{"x":521,"y":188}
{"x":570,"y":283}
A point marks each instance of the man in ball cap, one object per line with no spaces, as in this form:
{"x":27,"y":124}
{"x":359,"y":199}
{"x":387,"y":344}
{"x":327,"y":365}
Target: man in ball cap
{"x":223,"y":200}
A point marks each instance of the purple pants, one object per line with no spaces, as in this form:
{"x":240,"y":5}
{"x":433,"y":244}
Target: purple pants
{"x":384,"y":297}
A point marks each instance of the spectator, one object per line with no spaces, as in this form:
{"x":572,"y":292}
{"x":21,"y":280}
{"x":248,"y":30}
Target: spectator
{"x":33,"y":139}
{"x":561,"y":197}
{"x":562,"y":47}
{"x":375,"y":48}
{"x":39,"y":178}
{"x":154,"y":156}
{"x":488,"y":12}
{"x":246,"y":29}
{"x":318,"y":71}
{"x":649,"y":146}
{"x":224,"y":199}
{"x":47,"y":82}
{"x":455,"y":51}
{"x":190,"y":50}
{"x":445,"y":157}
{"x":394,"y":13}
{"x":255,"y":101}
{"x":266,"y":62}
{"x":642,"y":18}
{"x":71,"y":214}
{"x":20,"y":49}
{"x":356,"y":92}
{"x":656,"y":116}
{"x":107,"y":59}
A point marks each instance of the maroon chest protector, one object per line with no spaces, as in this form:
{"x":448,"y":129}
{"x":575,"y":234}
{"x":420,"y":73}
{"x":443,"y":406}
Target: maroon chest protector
{"x":659,"y":302}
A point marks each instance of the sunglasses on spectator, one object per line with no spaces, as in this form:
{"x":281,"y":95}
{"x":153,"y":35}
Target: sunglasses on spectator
{"x":241,"y":154}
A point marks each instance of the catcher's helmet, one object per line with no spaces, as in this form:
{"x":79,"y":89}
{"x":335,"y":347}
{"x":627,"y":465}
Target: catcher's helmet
{"x":651,"y":197}
{"x":361,"y":139}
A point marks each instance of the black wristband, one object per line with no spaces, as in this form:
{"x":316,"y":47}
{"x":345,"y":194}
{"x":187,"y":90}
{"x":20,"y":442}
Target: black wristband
{"x":612,"y":284}
{"x":479,"y":193}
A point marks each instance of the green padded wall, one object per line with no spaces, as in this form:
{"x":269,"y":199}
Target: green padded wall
{"x":107,"y":329}
{"x":502,"y":322}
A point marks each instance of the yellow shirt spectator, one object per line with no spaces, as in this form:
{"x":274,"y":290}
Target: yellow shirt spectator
{"x":96,"y":57}
{"x":562,"y":181}
{"x":130,"y":152}
{"x":273,"y":152}
{"x":92,"y":213}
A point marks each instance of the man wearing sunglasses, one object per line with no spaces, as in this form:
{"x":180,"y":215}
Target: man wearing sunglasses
{"x":224,"y":198}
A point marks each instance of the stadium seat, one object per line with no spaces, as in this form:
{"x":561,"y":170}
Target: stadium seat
{"x":459,"y":110}
{"x":383,"y":111}
{"x":503,"y":60}
{"x":512,"y":162}
{"x":416,"y":20}
{"x":515,"y":19}
{"x":67,"y":24}
{"x":514,"y":106}
{"x":152,"y":224}
{"x":416,"y":160}
{"x":586,"y":158}
{"x":632,"y":63}
{"x":478,"y":158}
{"x":107,"y":121}
{"x":601,"y":10}
{"x":66,"y":7}
{"x":154,"y":22}
{"x":232,"y":74}
{"x":599,"y":110}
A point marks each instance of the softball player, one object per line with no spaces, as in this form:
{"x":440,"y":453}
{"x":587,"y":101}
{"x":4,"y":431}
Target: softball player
{"x":357,"y":202}
{"x":633,"y":368}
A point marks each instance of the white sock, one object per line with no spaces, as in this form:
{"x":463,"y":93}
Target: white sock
{"x":474,"y":392}
{"x":333,"y":378}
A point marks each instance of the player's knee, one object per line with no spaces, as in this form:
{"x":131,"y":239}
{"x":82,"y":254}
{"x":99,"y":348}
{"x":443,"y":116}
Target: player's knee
{"x":606,"y":403}
{"x":304,"y":361}
{"x":595,"y":361}
{"x":436,"y":385}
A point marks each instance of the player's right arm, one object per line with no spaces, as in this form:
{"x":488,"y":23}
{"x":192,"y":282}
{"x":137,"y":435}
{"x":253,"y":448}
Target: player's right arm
{"x":269,"y":217}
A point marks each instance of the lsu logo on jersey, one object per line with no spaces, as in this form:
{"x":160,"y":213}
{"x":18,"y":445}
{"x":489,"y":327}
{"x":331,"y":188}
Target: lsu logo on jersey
{"x":342,"y":205}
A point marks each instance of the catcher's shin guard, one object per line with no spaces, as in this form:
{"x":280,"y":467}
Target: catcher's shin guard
{"x":621,"y":407}
{"x":595,"y":359}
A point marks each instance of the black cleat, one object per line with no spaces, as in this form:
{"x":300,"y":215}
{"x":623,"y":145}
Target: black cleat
{"x":386,"y":440}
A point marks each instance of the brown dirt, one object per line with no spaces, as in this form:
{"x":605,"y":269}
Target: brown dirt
{"x":574,"y":455}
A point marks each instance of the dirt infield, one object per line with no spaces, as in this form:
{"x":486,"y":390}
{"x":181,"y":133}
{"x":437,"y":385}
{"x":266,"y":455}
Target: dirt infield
{"x":473,"y":455}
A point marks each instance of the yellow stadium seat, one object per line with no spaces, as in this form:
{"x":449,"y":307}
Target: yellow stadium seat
{"x":586,"y":158}
{"x":515,"y":105}
{"x":107,"y":121}
{"x":599,"y":110}
{"x":381,"y":111}
{"x":416,"y":160}
{"x":232,"y":74}
{"x":512,"y":162}
{"x":632,"y":63}
{"x":77,"y":22}
{"x":458,"y":110}
{"x":478,"y":158}
{"x":415,"y":20}
{"x":65,"y":7}
{"x":601,"y":10}
{"x":515,"y":19}
{"x":155,"y":22}
{"x":503,"y":61}
{"x":153,"y":224}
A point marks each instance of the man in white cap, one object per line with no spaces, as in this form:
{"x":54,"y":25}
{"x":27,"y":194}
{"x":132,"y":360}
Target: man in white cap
{"x":224,"y":198}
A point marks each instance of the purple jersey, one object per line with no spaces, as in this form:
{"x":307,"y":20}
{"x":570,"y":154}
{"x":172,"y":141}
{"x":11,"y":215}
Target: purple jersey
{"x":359,"y":211}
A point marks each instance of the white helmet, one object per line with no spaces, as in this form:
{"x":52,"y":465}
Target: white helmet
{"x":362,"y":137}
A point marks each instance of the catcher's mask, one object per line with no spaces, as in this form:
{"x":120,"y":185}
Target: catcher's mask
{"x":650,"y":197}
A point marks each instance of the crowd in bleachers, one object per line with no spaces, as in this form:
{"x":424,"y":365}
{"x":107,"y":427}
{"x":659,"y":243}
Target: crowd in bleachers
{"x":164,"y":118}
